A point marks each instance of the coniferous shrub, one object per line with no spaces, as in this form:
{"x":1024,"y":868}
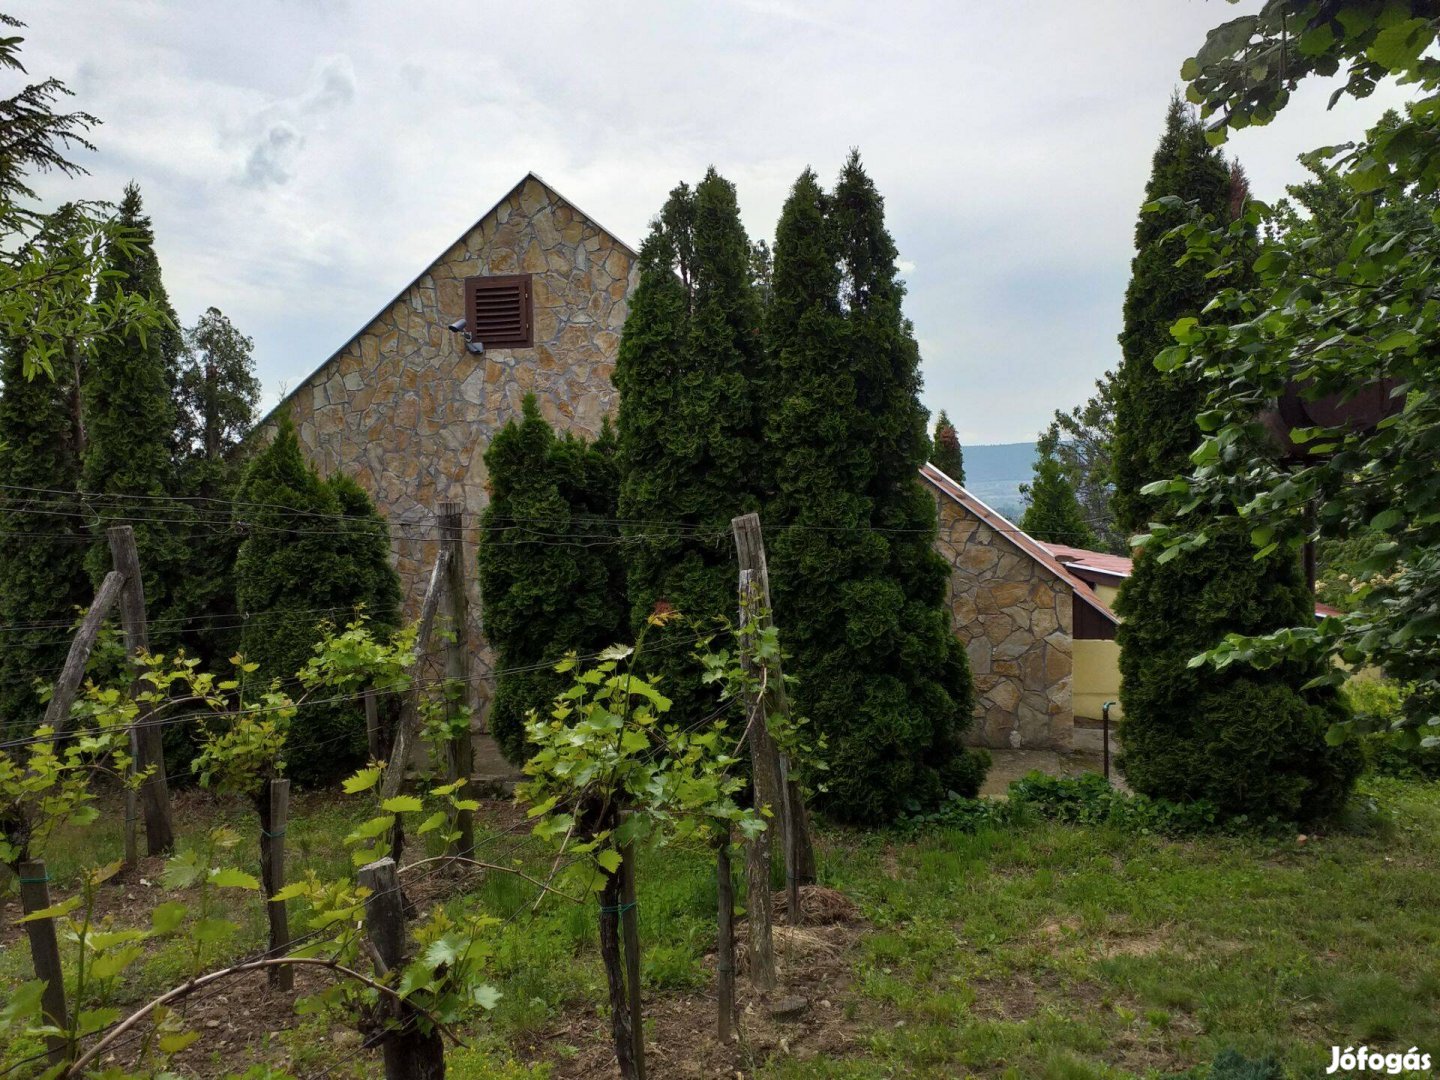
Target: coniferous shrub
{"x":129,"y":444}
{"x":551,"y":578}
{"x":1054,"y":514}
{"x":315,"y":551}
{"x":946,"y":453}
{"x":42,"y":535}
{"x":216,"y":396}
{"x":1253,"y":742}
{"x":690,"y":375}
{"x":857,"y":585}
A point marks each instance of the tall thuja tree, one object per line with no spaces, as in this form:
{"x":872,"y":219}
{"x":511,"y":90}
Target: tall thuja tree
{"x":216,"y":393}
{"x":861,"y":590}
{"x":130,"y":421}
{"x":689,"y":432}
{"x":315,"y":551}
{"x":1251,"y":741}
{"x":42,"y":535}
{"x":1054,"y":514}
{"x":551,"y":578}
{"x":945,"y":452}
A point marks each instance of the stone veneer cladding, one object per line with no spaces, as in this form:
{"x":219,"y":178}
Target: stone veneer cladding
{"x":409,"y":413}
{"x":1015,"y":617}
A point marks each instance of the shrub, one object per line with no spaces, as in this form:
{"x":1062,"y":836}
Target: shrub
{"x":551,"y":580}
{"x":314,"y":550}
{"x":1091,"y":800}
{"x":1379,"y":706}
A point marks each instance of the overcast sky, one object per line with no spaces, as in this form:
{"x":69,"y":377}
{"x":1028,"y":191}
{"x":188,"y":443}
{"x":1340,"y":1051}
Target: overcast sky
{"x":303,"y":160}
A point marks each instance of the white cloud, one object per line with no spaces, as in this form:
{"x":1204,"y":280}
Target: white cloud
{"x":303,"y":161}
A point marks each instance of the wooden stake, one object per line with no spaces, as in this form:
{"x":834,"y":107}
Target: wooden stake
{"x":57,"y":713}
{"x":410,"y":1054}
{"x":150,"y":756}
{"x":45,"y":951}
{"x":725,"y":941}
{"x":461,"y":751}
{"x":613,"y":955}
{"x":272,"y":869}
{"x":769,"y":794}
{"x":407,"y":728}
{"x":630,"y":923}
{"x":373,"y":738}
{"x":800,"y":850}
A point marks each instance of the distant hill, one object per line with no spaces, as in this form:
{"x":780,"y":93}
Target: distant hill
{"x":995,"y":473}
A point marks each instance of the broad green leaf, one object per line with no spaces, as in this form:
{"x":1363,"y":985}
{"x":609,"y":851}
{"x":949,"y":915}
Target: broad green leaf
{"x":609,"y":859}
{"x":54,"y":911}
{"x":363,"y":780}
{"x":434,"y":821}
{"x":175,"y":1041}
{"x":108,"y":965}
{"x":167,"y":916}
{"x":230,"y":878}
{"x":402,"y":804}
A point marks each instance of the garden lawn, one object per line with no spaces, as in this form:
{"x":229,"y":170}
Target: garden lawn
{"x":1034,"y":950}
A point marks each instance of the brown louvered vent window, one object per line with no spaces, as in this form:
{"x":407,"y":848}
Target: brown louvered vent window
{"x":498,"y":311}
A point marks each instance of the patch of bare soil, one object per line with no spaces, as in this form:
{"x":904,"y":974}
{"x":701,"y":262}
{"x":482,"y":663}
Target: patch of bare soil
{"x":810,"y":1013}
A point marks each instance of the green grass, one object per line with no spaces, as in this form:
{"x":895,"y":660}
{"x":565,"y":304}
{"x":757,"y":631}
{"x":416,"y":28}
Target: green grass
{"x":1041,"y":950}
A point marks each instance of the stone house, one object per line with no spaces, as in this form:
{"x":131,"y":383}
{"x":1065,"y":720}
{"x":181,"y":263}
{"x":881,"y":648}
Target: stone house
{"x":1041,"y":638}
{"x":532,"y":299}
{"x":409,"y":404}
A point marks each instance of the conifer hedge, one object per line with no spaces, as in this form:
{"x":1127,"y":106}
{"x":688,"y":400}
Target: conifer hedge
{"x":1251,"y":741}
{"x":858,"y":588}
{"x":42,"y":535}
{"x":130,"y":430}
{"x":551,"y":577}
{"x":315,"y":550}
{"x":689,"y":373}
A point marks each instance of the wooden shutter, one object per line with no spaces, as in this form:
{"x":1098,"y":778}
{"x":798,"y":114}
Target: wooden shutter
{"x":498,"y":311}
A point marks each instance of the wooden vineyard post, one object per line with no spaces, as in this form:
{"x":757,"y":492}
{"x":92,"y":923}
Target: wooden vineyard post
{"x":410,"y":1053}
{"x":725,"y":941}
{"x":407,"y":729}
{"x":799,"y":848}
{"x":44,"y":951}
{"x":765,"y":773}
{"x":630,"y":928}
{"x":461,"y":763}
{"x":620,"y":953}
{"x":272,"y":870}
{"x":372,"y":726}
{"x":148,"y":745}
{"x":57,"y":713}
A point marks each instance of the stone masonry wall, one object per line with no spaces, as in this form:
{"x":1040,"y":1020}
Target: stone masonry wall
{"x":408,"y":412}
{"x":1015,"y":618}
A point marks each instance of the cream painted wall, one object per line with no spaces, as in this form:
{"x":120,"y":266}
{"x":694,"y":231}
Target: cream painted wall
{"x":1095,"y":678}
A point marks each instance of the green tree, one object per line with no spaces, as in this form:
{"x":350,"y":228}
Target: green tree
{"x":216,"y":393}
{"x":314,"y":551}
{"x":945,"y":452}
{"x":1054,"y":514}
{"x":54,"y":306}
{"x":129,"y":424}
{"x":1084,"y":442}
{"x":1253,"y":743}
{"x":42,"y":535}
{"x":1364,"y":324}
{"x":551,"y":578}
{"x":689,"y":375}
{"x":858,"y":587}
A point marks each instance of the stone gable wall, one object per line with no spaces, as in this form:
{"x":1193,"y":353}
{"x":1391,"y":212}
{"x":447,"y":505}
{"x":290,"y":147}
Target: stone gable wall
{"x":409,"y":413}
{"x":1015,"y":618}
